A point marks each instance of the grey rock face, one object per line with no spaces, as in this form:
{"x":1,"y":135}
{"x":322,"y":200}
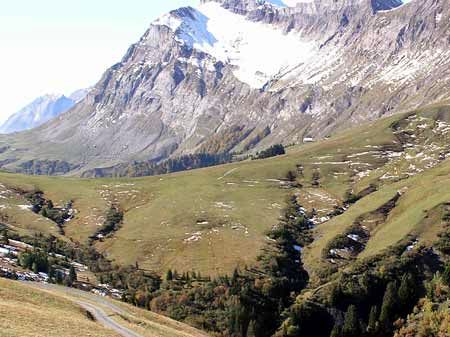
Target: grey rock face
{"x":183,"y":83}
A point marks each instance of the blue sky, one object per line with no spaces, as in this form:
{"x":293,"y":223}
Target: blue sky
{"x":58,"y":46}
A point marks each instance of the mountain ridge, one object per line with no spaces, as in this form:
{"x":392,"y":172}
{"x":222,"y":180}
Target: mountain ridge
{"x":41,"y":110}
{"x":188,"y":81}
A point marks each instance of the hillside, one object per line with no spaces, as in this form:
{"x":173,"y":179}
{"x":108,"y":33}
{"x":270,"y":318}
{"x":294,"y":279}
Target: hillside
{"x":190,"y":85}
{"x":212,"y":219}
{"x":31,"y":310}
{"x":337,"y":231}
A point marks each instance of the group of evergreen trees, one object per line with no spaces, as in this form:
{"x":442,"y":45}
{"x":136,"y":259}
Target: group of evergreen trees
{"x":112,"y":223}
{"x":275,"y":150}
{"x":46,"y":208}
{"x":182,"y":163}
{"x":365,"y":301}
{"x":151,"y":168}
{"x":46,"y":167}
{"x":39,"y":261}
{"x":397,"y":302}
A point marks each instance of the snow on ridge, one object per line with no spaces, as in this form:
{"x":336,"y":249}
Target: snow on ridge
{"x":169,"y":20}
{"x":404,"y":2}
{"x":260,"y":52}
{"x":288,"y":3}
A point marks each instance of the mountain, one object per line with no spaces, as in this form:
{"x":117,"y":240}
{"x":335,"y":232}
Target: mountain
{"x":79,"y":95}
{"x":40,"y":111}
{"x":37,"y":113}
{"x":214,"y":77}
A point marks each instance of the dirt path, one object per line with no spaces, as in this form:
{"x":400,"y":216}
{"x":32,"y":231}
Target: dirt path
{"x":101,"y":317}
{"x":227,"y":173}
{"x":104,"y":310}
{"x":98,"y":313}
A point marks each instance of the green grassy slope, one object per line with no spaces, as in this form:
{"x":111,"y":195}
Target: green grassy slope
{"x":212,"y":219}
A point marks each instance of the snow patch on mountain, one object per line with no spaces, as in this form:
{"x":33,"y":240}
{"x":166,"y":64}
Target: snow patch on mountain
{"x":288,"y":3}
{"x":402,"y":3}
{"x":259,"y":52}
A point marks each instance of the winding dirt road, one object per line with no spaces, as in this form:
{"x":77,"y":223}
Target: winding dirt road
{"x":101,"y":317}
{"x":93,"y":307}
{"x":104,"y":311}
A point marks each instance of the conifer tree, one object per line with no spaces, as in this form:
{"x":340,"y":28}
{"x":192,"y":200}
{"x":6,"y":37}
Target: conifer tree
{"x":72,"y":275}
{"x":35,"y":267}
{"x":336,"y":332}
{"x":59,"y":277}
{"x":407,"y":293}
{"x":372,"y":326}
{"x":352,"y":327}
{"x":388,"y":308}
{"x":5,"y":238}
{"x":446,"y":274}
{"x":169,"y":275}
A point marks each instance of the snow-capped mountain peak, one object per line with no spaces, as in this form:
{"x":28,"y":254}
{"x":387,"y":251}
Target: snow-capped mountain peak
{"x":258,"y":51}
{"x":234,"y":75}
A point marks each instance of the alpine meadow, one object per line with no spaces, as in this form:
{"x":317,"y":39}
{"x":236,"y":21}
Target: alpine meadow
{"x":250,"y":168}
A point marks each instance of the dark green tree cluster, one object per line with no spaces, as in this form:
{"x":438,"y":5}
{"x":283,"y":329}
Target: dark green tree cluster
{"x":365,"y":301}
{"x":343,"y":241}
{"x":39,"y":261}
{"x":113,"y":221}
{"x":137,"y":285}
{"x":351,"y":198}
{"x":50,"y":246}
{"x":151,"y":168}
{"x":4,"y":236}
{"x":275,"y":150}
{"x":443,"y":243}
{"x":315,"y":179}
{"x":46,"y":208}
{"x":46,"y":167}
{"x":36,"y":261}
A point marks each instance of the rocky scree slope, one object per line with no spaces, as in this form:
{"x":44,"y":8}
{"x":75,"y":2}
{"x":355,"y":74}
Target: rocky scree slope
{"x":238,"y":67}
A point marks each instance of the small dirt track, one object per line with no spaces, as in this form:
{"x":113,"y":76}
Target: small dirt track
{"x":101,"y":317}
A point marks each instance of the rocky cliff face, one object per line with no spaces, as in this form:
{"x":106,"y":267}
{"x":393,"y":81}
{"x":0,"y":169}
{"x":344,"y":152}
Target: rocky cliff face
{"x":198,"y":74}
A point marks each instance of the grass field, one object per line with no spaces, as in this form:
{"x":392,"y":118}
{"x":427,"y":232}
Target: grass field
{"x":26,"y":312}
{"x":29,"y":310}
{"x":212,"y":219}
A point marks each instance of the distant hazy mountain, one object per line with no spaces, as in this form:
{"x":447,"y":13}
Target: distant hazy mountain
{"x":41,"y":110}
{"x":78,"y":95}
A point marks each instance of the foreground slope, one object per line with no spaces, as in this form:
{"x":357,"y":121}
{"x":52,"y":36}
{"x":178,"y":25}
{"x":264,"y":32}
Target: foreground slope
{"x":190,"y":85}
{"x":29,"y":312}
{"x":211,"y":220}
{"x":61,"y":312}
